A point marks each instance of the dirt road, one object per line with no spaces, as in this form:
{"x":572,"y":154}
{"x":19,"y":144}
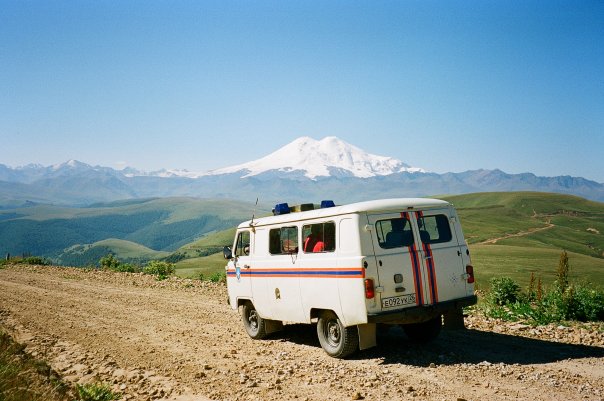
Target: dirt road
{"x":178,"y":340}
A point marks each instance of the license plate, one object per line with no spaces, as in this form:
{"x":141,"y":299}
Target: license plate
{"x":398,"y":301}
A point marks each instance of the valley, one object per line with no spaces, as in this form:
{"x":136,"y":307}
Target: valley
{"x":509,"y":233}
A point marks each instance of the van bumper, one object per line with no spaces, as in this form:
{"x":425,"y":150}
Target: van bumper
{"x":421,"y":313}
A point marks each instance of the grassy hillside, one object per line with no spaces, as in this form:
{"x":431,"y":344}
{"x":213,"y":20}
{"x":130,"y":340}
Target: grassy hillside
{"x":529,"y":230}
{"x":207,"y":265}
{"x":204,"y":255}
{"x":158,"y":224}
{"x":567,"y":223}
{"x":125,"y":251}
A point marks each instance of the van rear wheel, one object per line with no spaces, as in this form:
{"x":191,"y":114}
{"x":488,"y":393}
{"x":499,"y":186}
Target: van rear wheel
{"x":425,"y":331}
{"x":337,"y":341}
{"x":255,"y":326}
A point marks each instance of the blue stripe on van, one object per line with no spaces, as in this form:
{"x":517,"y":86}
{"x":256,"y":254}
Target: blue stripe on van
{"x":315,"y":272}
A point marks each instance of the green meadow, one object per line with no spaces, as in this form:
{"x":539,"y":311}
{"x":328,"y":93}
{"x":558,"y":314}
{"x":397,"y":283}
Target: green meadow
{"x":568,"y":223}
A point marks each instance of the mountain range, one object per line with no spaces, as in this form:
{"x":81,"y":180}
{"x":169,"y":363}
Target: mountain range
{"x":305,"y":170}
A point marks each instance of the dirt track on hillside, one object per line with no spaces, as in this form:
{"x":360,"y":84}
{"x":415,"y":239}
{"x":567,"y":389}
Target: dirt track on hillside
{"x":178,"y":339}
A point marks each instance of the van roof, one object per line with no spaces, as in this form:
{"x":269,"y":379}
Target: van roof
{"x":380,"y":205}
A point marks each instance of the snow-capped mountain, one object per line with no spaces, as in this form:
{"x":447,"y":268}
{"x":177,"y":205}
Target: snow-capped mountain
{"x":303,"y":170}
{"x":327,"y":157}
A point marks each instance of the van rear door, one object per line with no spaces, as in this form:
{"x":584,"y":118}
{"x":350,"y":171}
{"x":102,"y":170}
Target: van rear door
{"x":441,"y":255}
{"x":401,"y":281}
{"x":419,"y":259}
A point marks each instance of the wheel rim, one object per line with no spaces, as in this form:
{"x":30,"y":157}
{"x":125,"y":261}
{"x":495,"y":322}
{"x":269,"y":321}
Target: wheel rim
{"x":333,"y":333}
{"x":252,"y":319}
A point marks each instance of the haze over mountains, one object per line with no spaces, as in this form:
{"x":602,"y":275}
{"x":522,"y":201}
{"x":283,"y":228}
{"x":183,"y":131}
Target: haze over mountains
{"x":301,"y":171}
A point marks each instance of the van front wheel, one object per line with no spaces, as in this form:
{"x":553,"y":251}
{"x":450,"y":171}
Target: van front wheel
{"x":255,"y":326}
{"x":337,"y":341}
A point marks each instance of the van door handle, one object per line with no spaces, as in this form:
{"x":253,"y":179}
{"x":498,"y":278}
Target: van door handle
{"x":246,"y":266}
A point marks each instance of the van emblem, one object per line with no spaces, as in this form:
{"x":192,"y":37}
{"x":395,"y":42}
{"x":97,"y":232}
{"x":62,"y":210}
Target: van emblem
{"x":238,"y":272}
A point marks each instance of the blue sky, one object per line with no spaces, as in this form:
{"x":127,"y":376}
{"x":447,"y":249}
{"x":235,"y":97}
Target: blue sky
{"x":442,"y":85}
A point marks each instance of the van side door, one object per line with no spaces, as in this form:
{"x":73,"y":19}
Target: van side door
{"x":281,"y":272}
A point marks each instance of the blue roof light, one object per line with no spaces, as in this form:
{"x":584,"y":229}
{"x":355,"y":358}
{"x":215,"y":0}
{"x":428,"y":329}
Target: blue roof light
{"x":327,"y":203}
{"x":281,"y":208}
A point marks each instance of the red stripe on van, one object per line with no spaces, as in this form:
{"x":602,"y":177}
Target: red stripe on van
{"x":430,"y":267}
{"x":415,"y":268}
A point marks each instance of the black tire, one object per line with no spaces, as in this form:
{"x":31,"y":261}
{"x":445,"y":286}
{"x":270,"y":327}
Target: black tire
{"x":425,"y":331}
{"x":255,"y":326}
{"x":337,"y":341}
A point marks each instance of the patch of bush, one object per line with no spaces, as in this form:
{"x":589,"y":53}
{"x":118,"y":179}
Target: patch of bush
{"x":162,"y":270}
{"x":110,"y":262}
{"x":216,"y":277}
{"x":504,"y":291}
{"x":28,"y":260}
{"x":95,"y":392}
{"x":563,"y":302}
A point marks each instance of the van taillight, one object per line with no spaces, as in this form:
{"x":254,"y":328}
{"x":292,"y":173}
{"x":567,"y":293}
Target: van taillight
{"x":369,"y":289}
{"x":470,"y":272}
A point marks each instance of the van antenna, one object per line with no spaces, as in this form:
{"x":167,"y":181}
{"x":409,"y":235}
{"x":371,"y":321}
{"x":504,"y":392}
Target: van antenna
{"x":254,"y":213}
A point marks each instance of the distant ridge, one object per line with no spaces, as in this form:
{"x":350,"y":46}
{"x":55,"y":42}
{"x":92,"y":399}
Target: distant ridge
{"x":303,"y":170}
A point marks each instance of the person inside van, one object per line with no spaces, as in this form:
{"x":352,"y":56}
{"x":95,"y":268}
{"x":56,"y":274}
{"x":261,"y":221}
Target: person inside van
{"x":399,"y":236}
{"x":316,"y":235}
{"x":327,"y":241}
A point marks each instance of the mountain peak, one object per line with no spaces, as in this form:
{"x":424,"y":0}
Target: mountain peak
{"x":321,"y":158}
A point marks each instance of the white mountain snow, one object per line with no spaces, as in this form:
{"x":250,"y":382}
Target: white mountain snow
{"x":321,"y":158}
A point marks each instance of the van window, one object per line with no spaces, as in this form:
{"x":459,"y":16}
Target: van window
{"x":283,"y":240}
{"x":434,"y":229}
{"x":319,"y":237}
{"x":242,"y":247}
{"x":394,"y":233}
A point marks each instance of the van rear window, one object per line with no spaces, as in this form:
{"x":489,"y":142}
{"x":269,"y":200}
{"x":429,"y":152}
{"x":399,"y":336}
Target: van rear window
{"x":283,"y":240}
{"x":434,"y":229}
{"x":394,"y":233}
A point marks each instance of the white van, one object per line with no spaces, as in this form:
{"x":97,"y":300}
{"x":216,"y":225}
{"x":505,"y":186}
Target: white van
{"x":350,"y":267}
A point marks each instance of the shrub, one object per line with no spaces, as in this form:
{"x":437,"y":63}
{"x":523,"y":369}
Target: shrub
{"x":109,"y":262}
{"x":218,"y":277}
{"x":504,"y":291}
{"x":159,"y":268}
{"x":576,"y":302}
{"x":35,"y":260}
{"x":127,"y":268}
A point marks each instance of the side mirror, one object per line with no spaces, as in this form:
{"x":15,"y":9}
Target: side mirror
{"x":226,"y":251}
